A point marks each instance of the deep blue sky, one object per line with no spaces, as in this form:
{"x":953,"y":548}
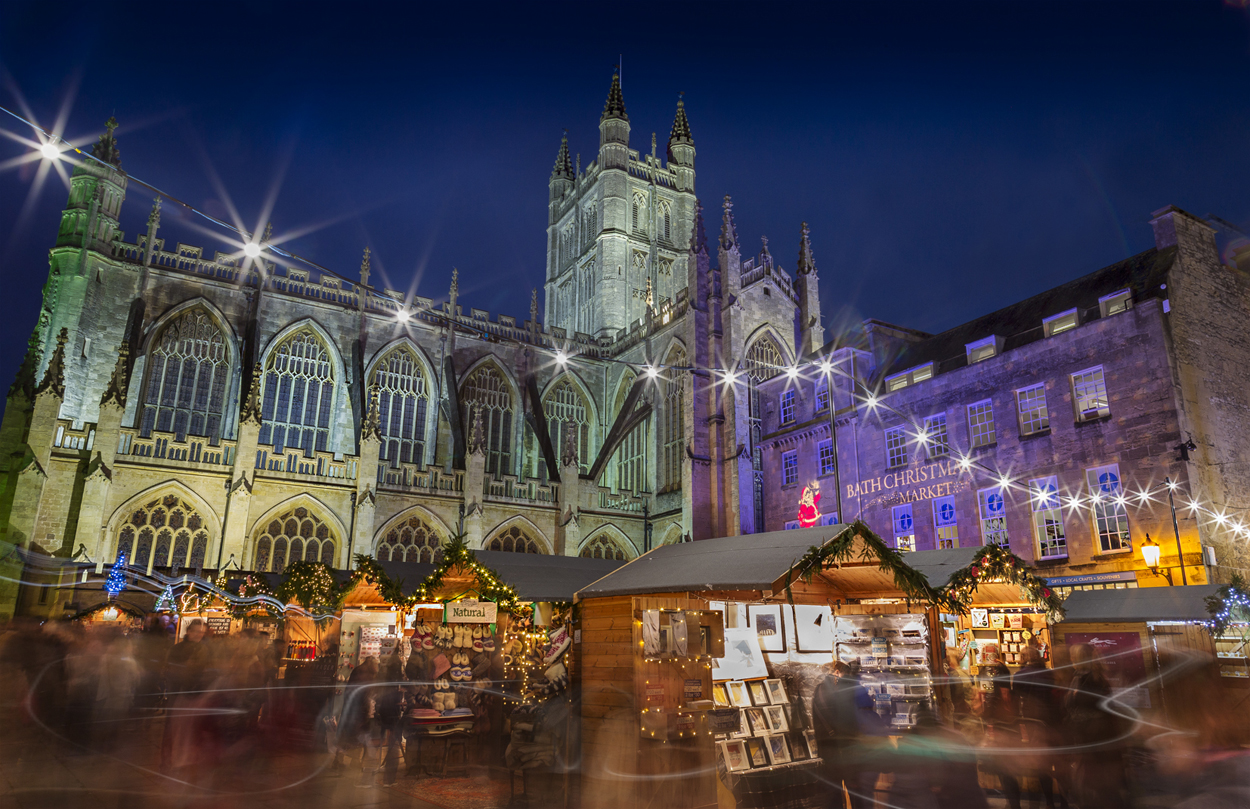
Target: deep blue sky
{"x":950,"y":158}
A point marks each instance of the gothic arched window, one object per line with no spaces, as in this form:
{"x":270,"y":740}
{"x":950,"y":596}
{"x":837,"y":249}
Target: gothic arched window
{"x":488,"y":391}
{"x":166,"y":531}
{"x":567,"y":411}
{"x":402,"y":400}
{"x":602,"y":547}
{"x":638,"y":215}
{"x":412,"y":540}
{"x":631,"y":455}
{"x":515,"y":540}
{"x":673,"y":421}
{"x":666,"y":221}
{"x":188,"y":373}
{"x":764,"y":360}
{"x":298,"y":394}
{"x":296,"y":536}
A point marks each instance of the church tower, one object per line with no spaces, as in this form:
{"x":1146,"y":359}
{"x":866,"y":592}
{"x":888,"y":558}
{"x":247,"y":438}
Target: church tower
{"x":618,"y":231}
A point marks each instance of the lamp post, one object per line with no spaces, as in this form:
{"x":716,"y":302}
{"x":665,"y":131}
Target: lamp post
{"x":1180,"y":557}
{"x":833,"y":443}
{"x":1150,"y":552}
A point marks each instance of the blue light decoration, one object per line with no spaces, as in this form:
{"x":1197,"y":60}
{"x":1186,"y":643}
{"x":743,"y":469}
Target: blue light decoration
{"x":116,"y":581}
{"x":166,"y":601}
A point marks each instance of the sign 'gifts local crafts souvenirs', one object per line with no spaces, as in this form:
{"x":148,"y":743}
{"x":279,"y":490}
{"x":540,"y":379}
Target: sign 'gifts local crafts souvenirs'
{"x":471,"y":612}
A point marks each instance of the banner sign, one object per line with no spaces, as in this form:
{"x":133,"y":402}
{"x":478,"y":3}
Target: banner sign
{"x":471,"y":612}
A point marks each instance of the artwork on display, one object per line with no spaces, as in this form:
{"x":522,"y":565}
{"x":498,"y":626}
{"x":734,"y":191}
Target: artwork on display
{"x":759,"y":694}
{"x":1015,"y":621}
{"x":778,"y":750}
{"x":755,"y":717}
{"x":743,"y":660}
{"x":720,"y":695}
{"x":798,"y":749}
{"x":809,"y":737}
{"x":739,"y":695}
{"x":776,"y":718}
{"x":651,"y":633}
{"x":678,"y":636}
{"x":997,"y":620}
{"x":776,"y":693}
{"x":980,"y":618}
{"x":734,"y":753}
{"x":809,"y":505}
{"x":757,"y":752}
{"x":813,"y":626}
{"x":744,"y":729}
{"x":769,"y":626}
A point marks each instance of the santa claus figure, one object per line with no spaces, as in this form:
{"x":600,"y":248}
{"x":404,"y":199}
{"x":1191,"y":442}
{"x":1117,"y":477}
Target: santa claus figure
{"x":809,"y":506}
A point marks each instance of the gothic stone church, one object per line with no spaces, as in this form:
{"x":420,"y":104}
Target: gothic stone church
{"x":206,"y":412}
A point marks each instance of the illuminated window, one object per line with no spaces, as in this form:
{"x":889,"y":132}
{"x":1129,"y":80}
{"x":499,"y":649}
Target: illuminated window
{"x":488,"y":391}
{"x":413,"y":540}
{"x":895,"y":447}
{"x":945,"y":522}
{"x":296,"y":536}
{"x":763,"y":360}
{"x":1089,"y":392}
{"x":167,"y":531}
{"x":1032,"y":406}
{"x":631,"y":455}
{"x":672,"y":422}
{"x":298,"y":394}
{"x":981,"y":423}
{"x":827,"y":461}
{"x":1115,"y":303}
{"x":993,"y":516}
{"x":1058,"y":324}
{"x":789,"y":467}
{"x":787,"y":407}
{"x":188,"y":373}
{"x":568,"y":414}
{"x":603,"y":547}
{"x":514,"y":540}
{"x":904,"y":528}
{"x":402,"y":400}
{"x":982,"y":349}
{"x":1052,"y":542}
{"x":937,"y":442}
{"x":1110,"y":514}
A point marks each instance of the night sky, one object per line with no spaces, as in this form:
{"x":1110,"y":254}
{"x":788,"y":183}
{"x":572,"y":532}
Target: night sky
{"x":949,"y":158}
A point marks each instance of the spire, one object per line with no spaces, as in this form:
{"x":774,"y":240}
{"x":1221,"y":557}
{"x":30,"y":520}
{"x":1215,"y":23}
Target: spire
{"x":728,"y":230}
{"x":106,"y":147}
{"x":477,"y":439}
{"x":250,"y":411}
{"x":564,"y":168}
{"x":765,"y":256}
{"x":681,"y":126}
{"x":54,"y":376}
{"x":534,"y":307}
{"x":698,"y":236}
{"x":25,"y":381}
{"x":115,"y":393}
{"x":454,"y":292}
{"x":615,"y":105}
{"x":372,"y":428}
{"x":569,"y":456}
{"x":807,"y":264}
{"x":364,"y":269}
{"x":154,"y":218}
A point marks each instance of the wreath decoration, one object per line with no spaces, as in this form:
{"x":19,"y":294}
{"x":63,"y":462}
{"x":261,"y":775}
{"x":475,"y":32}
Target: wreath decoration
{"x":840,"y":549}
{"x":994,"y":563}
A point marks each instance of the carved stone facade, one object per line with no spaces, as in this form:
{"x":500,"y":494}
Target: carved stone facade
{"x":300,"y":417}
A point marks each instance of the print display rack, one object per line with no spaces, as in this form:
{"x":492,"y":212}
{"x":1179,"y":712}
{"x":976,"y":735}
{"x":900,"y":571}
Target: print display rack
{"x":893,"y":656}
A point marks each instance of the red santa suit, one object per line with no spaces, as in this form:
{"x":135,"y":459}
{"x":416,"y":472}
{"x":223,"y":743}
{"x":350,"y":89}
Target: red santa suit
{"x":809,"y":516}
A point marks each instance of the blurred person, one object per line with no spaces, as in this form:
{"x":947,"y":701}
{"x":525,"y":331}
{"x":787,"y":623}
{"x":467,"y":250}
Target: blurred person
{"x":389,"y":701}
{"x":1040,"y":705}
{"x":872,"y":748}
{"x":150,"y":649}
{"x":186,"y":672}
{"x":1092,"y":733}
{"x":356,"y":720}
{"x":836,"y":729}
{"x":959,"y":686}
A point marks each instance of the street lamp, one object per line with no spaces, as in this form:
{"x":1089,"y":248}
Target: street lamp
{"x":1180,"y":557}
{"x":1150,"y":551}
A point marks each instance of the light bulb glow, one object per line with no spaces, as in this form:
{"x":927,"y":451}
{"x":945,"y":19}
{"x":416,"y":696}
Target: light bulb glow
{"x":792,"y":373}
{"x":651,"y":372}
{"x":402,"y":316}
{"x":251,"y":250}
{"x":561,"y":357}
{"x":825,"y":366}
{"x":49,"y":150}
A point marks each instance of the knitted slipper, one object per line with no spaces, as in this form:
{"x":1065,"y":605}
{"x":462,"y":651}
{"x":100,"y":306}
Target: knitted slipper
{"x":488,"y":641}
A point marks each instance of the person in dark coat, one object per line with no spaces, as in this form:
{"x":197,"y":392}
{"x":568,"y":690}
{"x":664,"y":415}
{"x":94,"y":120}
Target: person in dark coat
{"x":1040,"y":707}
{"x":389,"y":709}
{"x":836,"y":727}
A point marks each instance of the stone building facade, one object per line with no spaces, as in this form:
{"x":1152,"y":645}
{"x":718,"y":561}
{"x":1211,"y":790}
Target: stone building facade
{"x":198,"y":411}
{"x":1090,"y":391}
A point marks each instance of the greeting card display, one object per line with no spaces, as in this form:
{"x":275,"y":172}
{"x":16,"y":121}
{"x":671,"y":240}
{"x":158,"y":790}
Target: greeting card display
{"x":759,"y":694}
{"x":739,"y":695}
{"x":775,"y":715}
{"x":743,"y":660}
{"x":757,"y":752}
{"x":776,"y":693}
{"x":778,"y":750}
{"x":734,"y":754}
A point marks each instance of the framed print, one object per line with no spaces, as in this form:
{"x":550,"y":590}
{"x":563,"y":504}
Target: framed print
{"x":997,"y":620}
{"x":769,"y":624}
{"x":738,"y":694}
{"x":775,"y":715}
{"x":757,"y":752}
{"x":980,"y":618}
{"x":759,"y":725}
{"x":778,"y":750}
{"x":744,"y":730}
{"x":798,"y":749}
{"x":743,"y":658}
{"x":759,"y":694}
{"x":720,"y":695}
{"x":776,"y":692}
{"x":813,"y":628}
{"x":734,"y":753}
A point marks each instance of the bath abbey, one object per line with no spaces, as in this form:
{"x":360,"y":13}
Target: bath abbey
{"x":196,"y":411}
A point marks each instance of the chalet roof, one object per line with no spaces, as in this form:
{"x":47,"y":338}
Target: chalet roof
{"x":1139,"y":605}
{"x":536,"y":577}
{"x":748,"y":562}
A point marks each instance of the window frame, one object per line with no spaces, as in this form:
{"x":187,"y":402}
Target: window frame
{"x":904,"y":534}
{"x":1122,"y":535}
{"x":786,"y":406}
{"x":975,"y":441}
{"x":790,"y":467}
{"x":822,"y":392}
{"x":987,"y":530}
{"x":944,"y":539}
{"x":1046,"y":514}
{"x":1025,"y":429}
{"x":821,"y":448}
{"x":896,"y":453}
{"x":1116,"y":302}
{"x":974,"y":351}
{"x":932,"y":448}
{"x":1098,"y":413}
{"x":1062,"y":322}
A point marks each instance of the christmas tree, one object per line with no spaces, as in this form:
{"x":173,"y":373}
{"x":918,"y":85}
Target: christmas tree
{"x":117,"y":577}
{"x":166,"y":601}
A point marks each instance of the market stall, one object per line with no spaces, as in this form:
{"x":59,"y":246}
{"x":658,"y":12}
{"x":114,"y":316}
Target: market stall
{"x":1163,"y":658}
{"x":699,"y":661}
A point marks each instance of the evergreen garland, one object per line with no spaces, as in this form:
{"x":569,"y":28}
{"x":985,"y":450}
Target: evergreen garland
{"x":994,"y":563}
{"x":1229,"y":605}
{"x":840,"y":549}
{"x":310,"y":584}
